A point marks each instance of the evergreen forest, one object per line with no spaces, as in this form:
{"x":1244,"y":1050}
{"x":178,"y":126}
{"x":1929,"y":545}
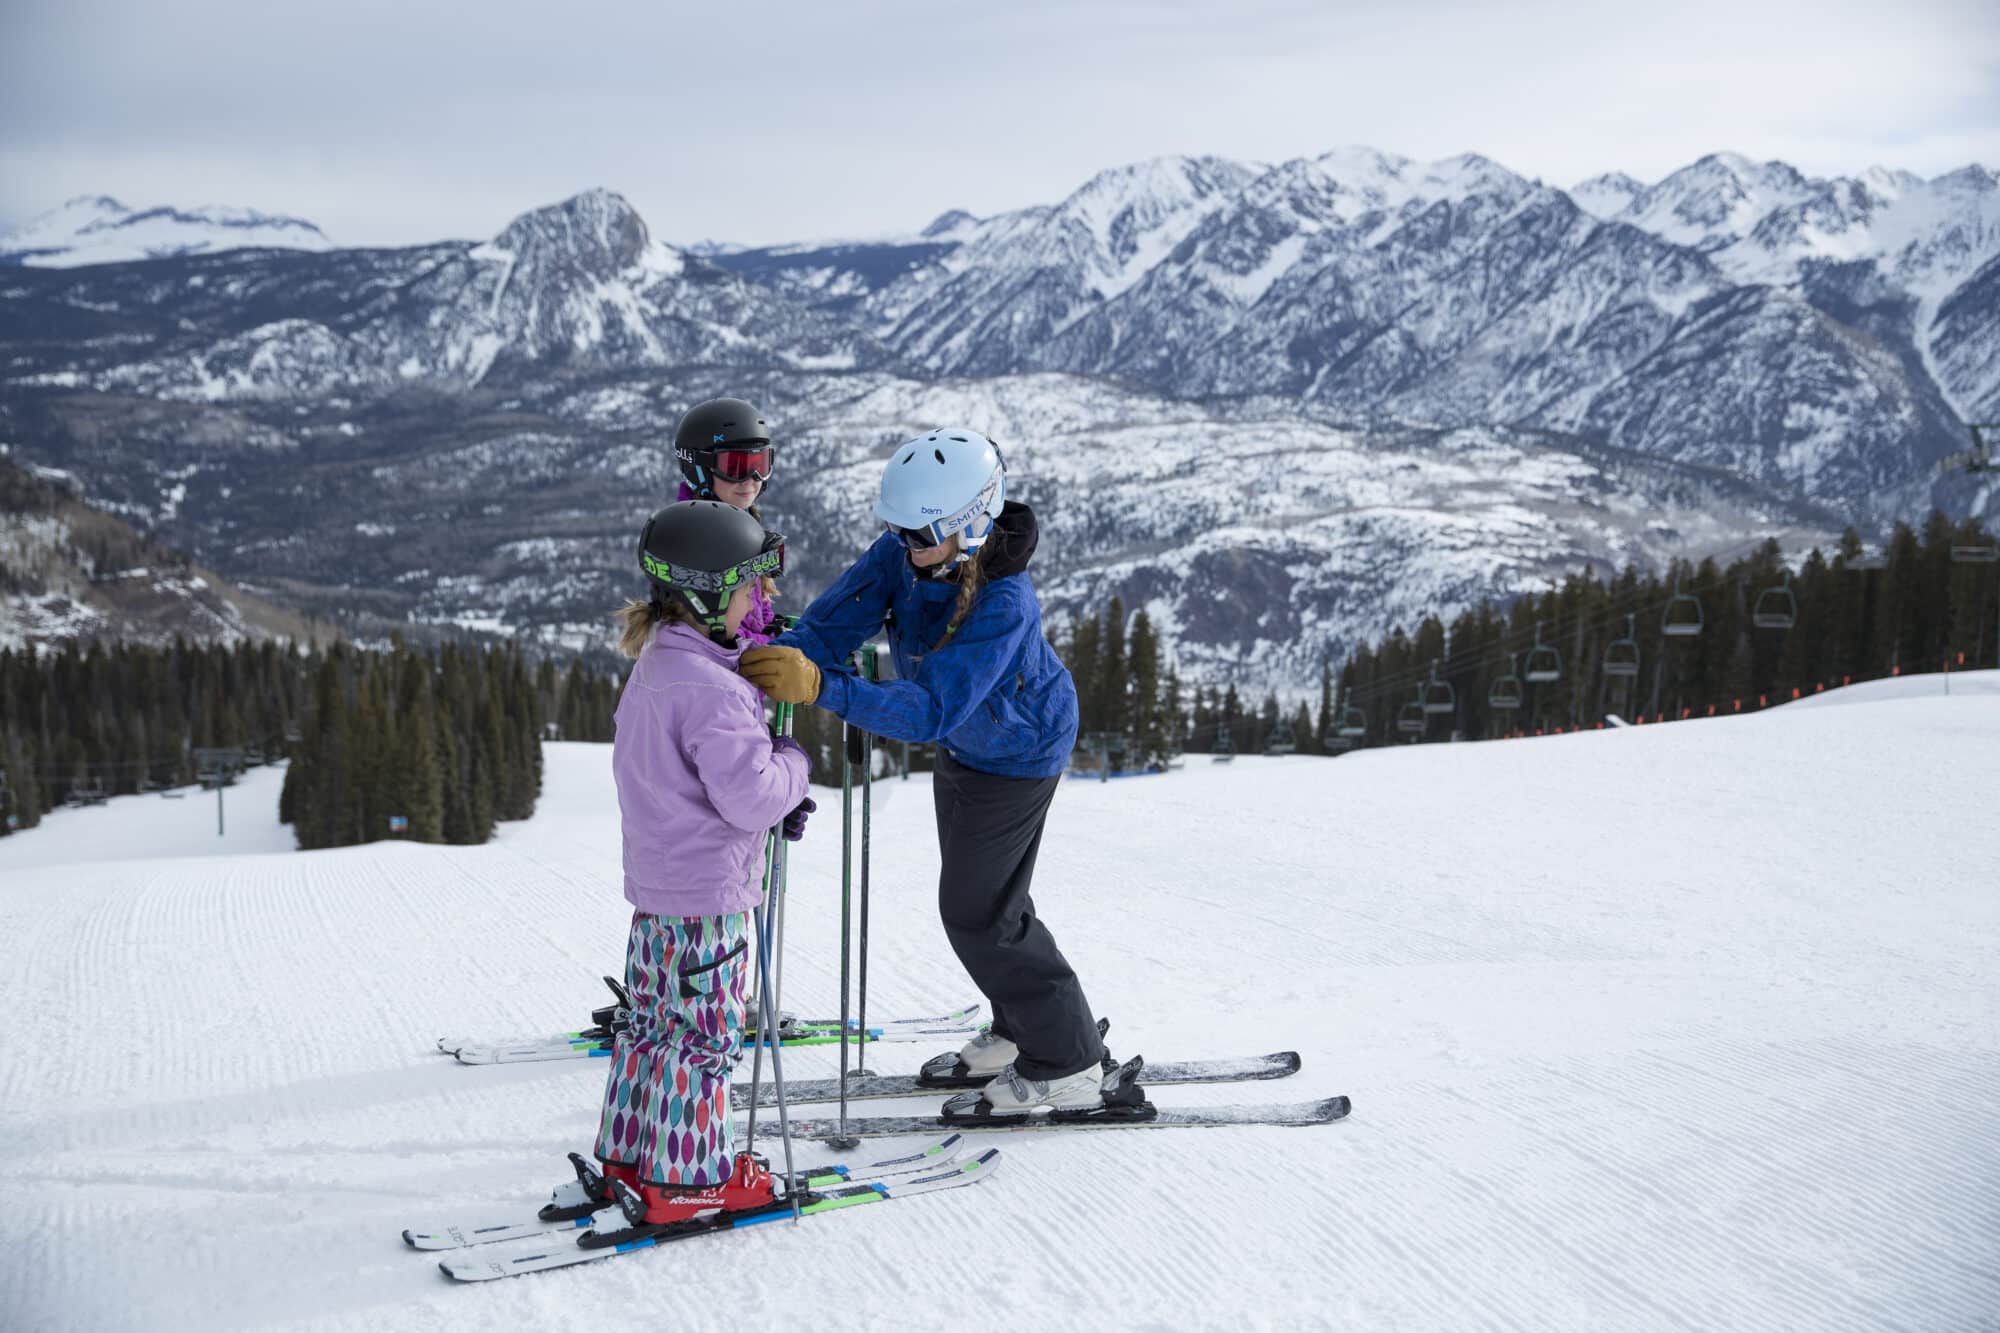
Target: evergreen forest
{"x":431,"y":745}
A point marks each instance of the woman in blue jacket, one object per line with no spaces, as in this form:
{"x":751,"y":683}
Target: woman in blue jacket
{"x":949,"y":583}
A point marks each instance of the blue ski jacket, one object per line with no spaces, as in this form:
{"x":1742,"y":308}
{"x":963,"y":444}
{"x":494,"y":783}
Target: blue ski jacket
{"x":996,"y":698}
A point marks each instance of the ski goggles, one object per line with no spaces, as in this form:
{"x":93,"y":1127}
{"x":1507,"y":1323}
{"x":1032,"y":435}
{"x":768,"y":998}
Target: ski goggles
{"x":917,"y":539}
{"x":767,"y":563}
{"x":751,"y":463}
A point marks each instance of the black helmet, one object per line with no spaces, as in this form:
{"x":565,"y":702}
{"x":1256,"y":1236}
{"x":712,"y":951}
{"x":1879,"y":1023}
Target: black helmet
{"x":723,"y":437}
{"x":699,"y":552}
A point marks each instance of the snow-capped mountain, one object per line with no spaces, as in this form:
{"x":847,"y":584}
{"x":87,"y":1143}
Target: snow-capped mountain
{"x":579,"y":284}
{"x":97,"y":229}
{"x":1284,"y":407}
{"x":992,"y":303}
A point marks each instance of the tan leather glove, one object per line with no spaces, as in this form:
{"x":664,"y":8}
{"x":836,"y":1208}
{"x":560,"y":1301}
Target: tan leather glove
{"x":785,"y":674}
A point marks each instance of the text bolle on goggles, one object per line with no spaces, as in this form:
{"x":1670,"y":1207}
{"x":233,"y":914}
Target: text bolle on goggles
{"x":738,"y":462}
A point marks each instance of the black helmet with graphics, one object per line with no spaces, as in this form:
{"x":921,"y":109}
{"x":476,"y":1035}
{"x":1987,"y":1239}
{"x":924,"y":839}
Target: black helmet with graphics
{"x":699,"y":552}
{"x":723,"y":437}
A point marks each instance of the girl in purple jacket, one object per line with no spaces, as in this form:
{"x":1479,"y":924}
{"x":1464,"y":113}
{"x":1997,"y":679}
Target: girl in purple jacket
{"x":700,"y":783}
{"x":724,"y":449}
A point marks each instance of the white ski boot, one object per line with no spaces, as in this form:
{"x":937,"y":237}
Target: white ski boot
{"x":1011,"y":1094}
{"x":986,"y":1055}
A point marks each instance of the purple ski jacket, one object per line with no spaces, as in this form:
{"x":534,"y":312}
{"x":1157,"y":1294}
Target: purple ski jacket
{"x":699,"y":784}
{"x":756,"y":626}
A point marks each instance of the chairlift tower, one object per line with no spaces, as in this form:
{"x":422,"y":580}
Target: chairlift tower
{"x":1980,"y":553}
{"x":217,"y":767}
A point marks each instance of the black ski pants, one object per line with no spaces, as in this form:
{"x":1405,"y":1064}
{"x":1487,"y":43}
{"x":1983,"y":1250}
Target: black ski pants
{"x":989,"y":830}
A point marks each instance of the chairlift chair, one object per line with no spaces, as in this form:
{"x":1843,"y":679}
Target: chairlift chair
{"x":1683,"y":616}
{"x":1978,"y":553}
{"x":1413,"y":720}
{"x":1544,"y":662}
{"x":1437,"y":695}
{"x":1505,"y":691}
{"x":1776,"y":607}
{"x":1621,"y":656}
{"x":1224,"y":748}
{"x":1353,"y":723}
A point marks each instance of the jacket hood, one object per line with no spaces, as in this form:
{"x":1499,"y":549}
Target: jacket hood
{"x":1008,"y":548}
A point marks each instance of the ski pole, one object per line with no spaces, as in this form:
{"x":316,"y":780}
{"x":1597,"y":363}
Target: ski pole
{"x":767,"y":1025}
{"x":872,"y":665}
{"x":786,"y":712}
{"x":843,"y":1143}
{"x":867,"y":790}
{"x":757,"y":1056}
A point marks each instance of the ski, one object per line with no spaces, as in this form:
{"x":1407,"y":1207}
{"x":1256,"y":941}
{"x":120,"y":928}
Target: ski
{"x":1123,"y":1105}
{"x":1235,"y":1069}
{"x":1322,"y":1112}
{"x":591,"y":1048}
{"x":485,"y":1263}
{"x":589,"y":1043}
{"x":569,"y":1196}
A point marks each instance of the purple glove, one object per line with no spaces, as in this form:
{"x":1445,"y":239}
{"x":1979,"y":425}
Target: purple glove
{"x":781,"y":743}
{"x":795,"y":822}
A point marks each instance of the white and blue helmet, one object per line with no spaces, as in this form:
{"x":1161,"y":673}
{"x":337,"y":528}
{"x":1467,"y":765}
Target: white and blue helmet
{"x":949,"y":481}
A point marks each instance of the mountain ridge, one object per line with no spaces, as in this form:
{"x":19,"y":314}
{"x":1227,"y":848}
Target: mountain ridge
{"x":1434,"y":383}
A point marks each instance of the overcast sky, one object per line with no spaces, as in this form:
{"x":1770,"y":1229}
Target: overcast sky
{"x":392,"y":123}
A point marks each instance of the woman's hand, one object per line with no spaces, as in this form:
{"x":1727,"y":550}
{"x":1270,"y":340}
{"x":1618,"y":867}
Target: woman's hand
{"x":785,"y":674}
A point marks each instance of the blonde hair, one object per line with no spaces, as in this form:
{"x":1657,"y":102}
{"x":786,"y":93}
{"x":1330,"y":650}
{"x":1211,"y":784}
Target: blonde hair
{"x":637,"y":620}
{"x":971,"y":577}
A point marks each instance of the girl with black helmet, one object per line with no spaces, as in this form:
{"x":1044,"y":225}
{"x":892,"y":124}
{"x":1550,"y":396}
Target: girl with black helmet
{"x":700,"y":782}
{"x":949,"y":583}
{"x":725,"y":453}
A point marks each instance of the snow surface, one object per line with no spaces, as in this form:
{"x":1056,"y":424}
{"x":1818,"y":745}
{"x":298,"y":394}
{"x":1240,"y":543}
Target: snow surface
{"x":1677,"y":1027}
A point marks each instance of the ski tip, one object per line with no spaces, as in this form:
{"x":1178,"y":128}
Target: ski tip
{"x":1287,"y":1060}
{"x":410,"y":1239}
{"x":1335,"y":1108}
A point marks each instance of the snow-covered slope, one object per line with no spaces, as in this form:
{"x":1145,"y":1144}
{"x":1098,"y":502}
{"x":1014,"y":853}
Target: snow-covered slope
{"x":71,"y":572}
{"x":97,"y":229}
{"x":1718,"y":1053}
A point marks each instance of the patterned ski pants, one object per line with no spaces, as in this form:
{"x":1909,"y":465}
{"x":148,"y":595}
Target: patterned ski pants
{"x":666,"y":1102}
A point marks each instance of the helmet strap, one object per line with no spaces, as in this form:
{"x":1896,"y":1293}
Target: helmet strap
{"x":713,"y":621}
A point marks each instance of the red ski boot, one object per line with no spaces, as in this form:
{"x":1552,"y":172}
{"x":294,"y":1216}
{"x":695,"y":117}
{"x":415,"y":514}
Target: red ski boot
{"x":749,"y":1187}
{"x":595,"y":1183}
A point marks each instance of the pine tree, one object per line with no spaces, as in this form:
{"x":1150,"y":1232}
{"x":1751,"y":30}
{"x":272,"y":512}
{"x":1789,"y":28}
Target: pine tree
{"x":1083,"y":669}
{"x":1114,"y":673}
{"x":1146,"y":726}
